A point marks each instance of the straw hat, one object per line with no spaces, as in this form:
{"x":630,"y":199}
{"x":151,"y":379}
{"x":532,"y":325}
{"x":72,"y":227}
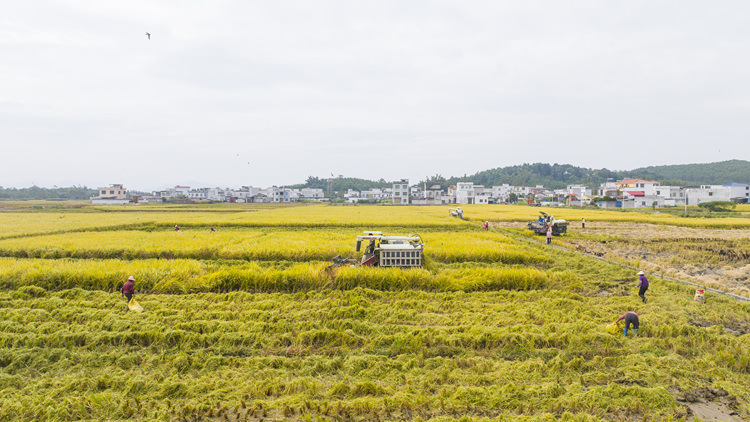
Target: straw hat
{"x":131,"y":278}
{"x":640,"y":273}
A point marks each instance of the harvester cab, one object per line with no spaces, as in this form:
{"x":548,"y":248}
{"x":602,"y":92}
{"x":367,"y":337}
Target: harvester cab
{"x":559,"y":226}
{"x":390,"y":251}
{"x":456,"y":212}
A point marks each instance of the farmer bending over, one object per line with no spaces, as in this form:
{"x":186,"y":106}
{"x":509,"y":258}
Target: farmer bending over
{"x":630,"y":318}
{"x":128,"y":289}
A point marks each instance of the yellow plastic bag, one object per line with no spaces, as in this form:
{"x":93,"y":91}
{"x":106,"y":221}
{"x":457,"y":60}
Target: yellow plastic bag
{"x":134,"y":306}
{"x":614,"y":328}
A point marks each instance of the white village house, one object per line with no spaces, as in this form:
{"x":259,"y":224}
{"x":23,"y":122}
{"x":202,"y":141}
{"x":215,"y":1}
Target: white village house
{"x":113,"y":195}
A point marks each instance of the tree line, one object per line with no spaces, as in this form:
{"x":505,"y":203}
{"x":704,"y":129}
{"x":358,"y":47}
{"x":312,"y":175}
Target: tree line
{"x":37,"y":193}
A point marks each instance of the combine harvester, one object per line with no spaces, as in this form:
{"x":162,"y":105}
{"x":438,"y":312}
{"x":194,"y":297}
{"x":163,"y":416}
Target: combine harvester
{"x":540,"y":226}
{"x":386,"y":251}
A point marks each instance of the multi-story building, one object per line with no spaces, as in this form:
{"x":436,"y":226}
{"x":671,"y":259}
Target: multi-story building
{"x":739,"y":192}
{"x":200,"y":194}
{"x":312,"y":194}
{"x":376,"y":194}
{"x":672,"y":195}
{"x":115,"y":191}
{"x":708,"y":193}
{"x":400,"y":192}
{"x":645,"y":186}
{"x":465,"y":193}
{"x":245,"y":193}
{"x":638,"y":199}
{"x":280,"y":195}
{"x":259,"y":198}
{"x":113,"y":195}
{"x":585,"y":193}
{"x":433,"y":193}
{"x":500,"y":193}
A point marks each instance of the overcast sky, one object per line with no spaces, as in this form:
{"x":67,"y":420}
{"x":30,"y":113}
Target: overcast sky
{"x":269,"y":92}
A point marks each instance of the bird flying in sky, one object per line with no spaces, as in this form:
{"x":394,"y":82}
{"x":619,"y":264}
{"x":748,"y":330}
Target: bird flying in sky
{"x":148,"y":35}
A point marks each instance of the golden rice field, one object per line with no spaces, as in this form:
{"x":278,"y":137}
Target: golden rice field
{"x":248,"y":324}
{"x":254,"y":244}
{"x":27,"y":222}
{"x":48,"y":221}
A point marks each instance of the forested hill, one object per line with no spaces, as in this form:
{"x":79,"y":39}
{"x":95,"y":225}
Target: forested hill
{"x":553,"y":176}
{"x":341,"y":184}
{"x":706,"y":174}
{"x":558,"y":176}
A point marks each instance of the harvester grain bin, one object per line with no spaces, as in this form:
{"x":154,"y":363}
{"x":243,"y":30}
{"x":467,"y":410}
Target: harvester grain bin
{"x":540,"y":226}
{"x":390,"y":251}
{"x":456,"y":212}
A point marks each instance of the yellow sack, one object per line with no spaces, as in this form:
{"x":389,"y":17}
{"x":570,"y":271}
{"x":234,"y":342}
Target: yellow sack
{"x":134,"y":306}
{"x":614,"y":328}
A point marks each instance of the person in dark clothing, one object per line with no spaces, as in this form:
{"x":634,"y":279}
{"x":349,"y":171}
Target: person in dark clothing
{"x":583,"y":223}
{"x":643,"y":284}
{"x":631,"y":318}
{"x":128,"y":290}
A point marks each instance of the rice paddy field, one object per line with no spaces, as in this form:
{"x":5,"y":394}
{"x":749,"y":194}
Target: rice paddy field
{"x":249,"y":324}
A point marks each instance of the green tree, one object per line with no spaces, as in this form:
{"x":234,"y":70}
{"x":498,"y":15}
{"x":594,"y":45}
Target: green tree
{"x":718,"y":206}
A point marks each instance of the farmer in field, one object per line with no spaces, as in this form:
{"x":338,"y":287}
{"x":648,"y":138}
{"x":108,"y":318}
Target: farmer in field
{"x":549,"y":233}
{"x":630,"y":318}
{"x":486,"y":225}
{"x":176,"y":228}
{"x":128,"y":290}
{"x":583,"y":223}
{"x":643,"y":284}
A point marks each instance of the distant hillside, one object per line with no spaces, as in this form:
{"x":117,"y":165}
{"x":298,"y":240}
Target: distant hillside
{"x":553,"y":176}
{"x":704,"y":174}
{"x":341,"y":184}
{"x":557,"y":176}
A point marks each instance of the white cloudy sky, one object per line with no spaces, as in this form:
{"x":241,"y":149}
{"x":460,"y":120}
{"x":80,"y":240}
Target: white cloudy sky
{"x":234,"y":93}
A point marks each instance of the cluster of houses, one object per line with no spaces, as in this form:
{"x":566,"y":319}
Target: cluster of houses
{"x":629,"y":193}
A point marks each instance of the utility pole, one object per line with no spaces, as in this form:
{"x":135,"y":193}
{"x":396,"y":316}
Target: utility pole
{"x":330,"y":184}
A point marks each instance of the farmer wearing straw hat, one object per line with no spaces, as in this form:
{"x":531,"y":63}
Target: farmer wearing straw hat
{"x":128,"y":290}
{"x":643,"y":284}
{"x":630,"y":318}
